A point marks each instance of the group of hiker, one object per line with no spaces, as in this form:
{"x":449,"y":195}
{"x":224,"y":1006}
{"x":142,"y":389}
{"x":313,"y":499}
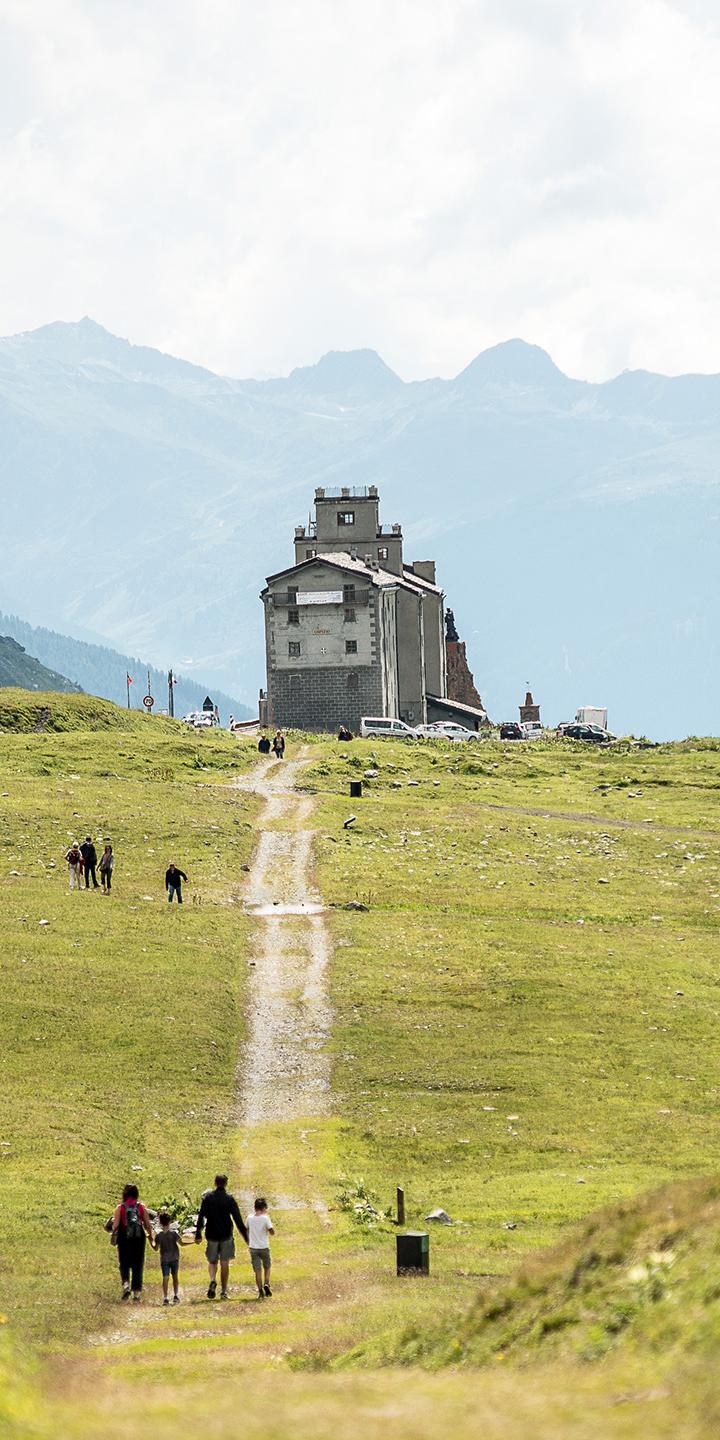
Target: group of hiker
{"x":83,"y":863}
{"x":219,"y":1216}
{"x":277,"y":745}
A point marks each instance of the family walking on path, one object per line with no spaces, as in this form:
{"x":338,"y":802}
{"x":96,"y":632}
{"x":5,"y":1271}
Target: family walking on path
{"x":219,"y":1212}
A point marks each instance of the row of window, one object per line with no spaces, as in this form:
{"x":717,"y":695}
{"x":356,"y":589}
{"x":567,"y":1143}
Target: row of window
{"x":382,"y":553}
{"x":295,"y":648}
{"x":294,"y":617}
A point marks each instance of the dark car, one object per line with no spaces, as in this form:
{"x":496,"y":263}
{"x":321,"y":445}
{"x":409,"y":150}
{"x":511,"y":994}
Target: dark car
{"x":591,"y":733}
{"x":510,"y":730}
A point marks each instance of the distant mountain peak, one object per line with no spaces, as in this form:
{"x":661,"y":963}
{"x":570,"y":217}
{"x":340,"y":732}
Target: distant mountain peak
{"x":345,"y":370}
{"x":512,"y":362}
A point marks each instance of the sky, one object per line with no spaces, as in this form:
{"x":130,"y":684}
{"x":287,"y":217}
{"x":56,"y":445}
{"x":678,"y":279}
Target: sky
{"x":250,"y":185}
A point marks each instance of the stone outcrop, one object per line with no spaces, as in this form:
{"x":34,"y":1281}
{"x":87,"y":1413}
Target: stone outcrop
{"x":460,"y":683}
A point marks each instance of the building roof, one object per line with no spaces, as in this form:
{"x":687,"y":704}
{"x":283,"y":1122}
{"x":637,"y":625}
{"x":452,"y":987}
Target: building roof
{"x":341,"y":560}
{"x":420,"y":580}
{"x":456,"y":706}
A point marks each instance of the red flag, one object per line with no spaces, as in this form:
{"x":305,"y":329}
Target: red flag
{"x":128,"y":678}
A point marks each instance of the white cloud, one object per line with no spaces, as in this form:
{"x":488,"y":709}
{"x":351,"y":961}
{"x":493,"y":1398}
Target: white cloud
{"x":250,"y":185}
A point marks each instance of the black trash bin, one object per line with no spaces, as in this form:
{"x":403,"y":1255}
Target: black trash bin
{"x":355,"y":789}
{"x":413,"y":1253}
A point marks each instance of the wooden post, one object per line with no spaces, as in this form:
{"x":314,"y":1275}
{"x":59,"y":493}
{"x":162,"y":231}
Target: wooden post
{"x":400,"y":1205}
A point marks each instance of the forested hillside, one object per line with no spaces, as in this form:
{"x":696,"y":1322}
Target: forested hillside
{"x":102,"y":671}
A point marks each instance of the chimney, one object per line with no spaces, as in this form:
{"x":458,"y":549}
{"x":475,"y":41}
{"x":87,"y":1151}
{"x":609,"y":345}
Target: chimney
{"x":396,"y":530}
{"x":319,"y":493}
{"x":425,"y":569}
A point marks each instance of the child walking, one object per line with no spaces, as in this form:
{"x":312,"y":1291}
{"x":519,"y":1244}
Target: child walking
{"x":260,"y":1227}
{"x":168,"y":1243}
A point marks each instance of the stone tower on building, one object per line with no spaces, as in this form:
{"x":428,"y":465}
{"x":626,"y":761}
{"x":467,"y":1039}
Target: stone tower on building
{"x":351,"y":629}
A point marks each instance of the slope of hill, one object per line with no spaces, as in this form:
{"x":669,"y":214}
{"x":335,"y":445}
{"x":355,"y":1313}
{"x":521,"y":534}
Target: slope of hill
{"x":575,"y":524}
{"x":19,"y":668}
{"x":520,"y":1020}
{"x":102,"y":671}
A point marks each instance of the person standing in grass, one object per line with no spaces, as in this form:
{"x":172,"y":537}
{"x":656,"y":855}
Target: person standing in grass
{"x":89,"y":855}
{"x":260,"y":1228}
{"x":278,"y":745}
{"x":106,"y":867}
{"x":218,"y":1212}
{"x":130,"y":1227}
{"x":173,"y":883}
{"x":168,"y":1242}
{"x":75,"y":865}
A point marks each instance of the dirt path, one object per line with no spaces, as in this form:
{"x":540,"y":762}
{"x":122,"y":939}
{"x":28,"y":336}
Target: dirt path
{"x":588,"y":818}
{"x":284,"y":1069}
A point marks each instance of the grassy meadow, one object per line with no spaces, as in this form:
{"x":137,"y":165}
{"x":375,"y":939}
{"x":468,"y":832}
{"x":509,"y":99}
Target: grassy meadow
{"x":524,"y":1022}
{"x":121,"y":1017}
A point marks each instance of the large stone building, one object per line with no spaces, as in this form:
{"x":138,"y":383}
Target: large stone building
{"x":350,"y":628}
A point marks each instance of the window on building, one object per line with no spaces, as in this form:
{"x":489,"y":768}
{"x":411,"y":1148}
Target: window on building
{"x":353,"y":680}
{"x":292,"y":594}
{"x":382,"y":552}
{"x":293,"y":617}
{"x":351,"y":647}
{"x":294,"y":647}
{"x":349,"y":594}
{"x":350,"y":617}
{"x":346,"y":517}
{"x":310,"y":554}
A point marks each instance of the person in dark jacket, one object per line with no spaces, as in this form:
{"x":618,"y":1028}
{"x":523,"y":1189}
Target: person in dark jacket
{"x":264,"y":745}
{"x":218,"y":1212}
{"x":278,"y":745}
{"x":89,"y":854}
{"x":173,"y":883}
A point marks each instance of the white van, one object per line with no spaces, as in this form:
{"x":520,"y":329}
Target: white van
{"x":384,"y":725}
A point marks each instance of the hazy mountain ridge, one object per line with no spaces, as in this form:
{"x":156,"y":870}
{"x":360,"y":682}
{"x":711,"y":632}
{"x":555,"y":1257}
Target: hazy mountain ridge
{"x":102,"y":671}
{"x":575,"y":525}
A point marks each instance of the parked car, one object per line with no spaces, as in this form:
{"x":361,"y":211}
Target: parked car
{"x":446,"y":730}
{"x":386,"y":725}
{"x":591,"y":733}
{"x":510,"y":730}
{"x":531,"y":730}
{"x":201,"y":719}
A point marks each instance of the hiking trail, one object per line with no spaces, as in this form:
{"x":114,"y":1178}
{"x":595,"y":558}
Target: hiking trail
{"x":284,"y":1068}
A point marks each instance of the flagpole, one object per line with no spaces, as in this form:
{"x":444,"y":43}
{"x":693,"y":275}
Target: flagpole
{"x":171,"y":698}
{"x":127,"y":683}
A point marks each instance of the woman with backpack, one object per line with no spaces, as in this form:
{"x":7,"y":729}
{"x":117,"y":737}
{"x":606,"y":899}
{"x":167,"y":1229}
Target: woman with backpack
{"x":130,"y":1226}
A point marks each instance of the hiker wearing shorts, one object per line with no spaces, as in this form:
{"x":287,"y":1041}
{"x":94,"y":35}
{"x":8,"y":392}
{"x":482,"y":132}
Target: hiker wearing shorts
{"x":260,"y":1228}
{"x":130,"y":1226}
{"x":218,"y":1212}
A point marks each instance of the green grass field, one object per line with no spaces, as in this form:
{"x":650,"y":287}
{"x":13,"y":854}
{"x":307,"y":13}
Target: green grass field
{"x":524,"y":1022}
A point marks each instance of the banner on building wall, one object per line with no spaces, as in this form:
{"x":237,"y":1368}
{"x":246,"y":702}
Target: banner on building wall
{"x":319,"y":597}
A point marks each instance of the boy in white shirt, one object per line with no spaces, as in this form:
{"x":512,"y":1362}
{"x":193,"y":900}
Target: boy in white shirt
{"x":260,"y":1227}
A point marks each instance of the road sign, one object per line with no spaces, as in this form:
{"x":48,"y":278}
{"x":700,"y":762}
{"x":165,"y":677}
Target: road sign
{"x":148,"y":702}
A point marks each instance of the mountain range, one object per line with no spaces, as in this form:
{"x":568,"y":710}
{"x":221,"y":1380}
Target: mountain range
{"x":100,"y":671}
{"x":575,"y":525}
